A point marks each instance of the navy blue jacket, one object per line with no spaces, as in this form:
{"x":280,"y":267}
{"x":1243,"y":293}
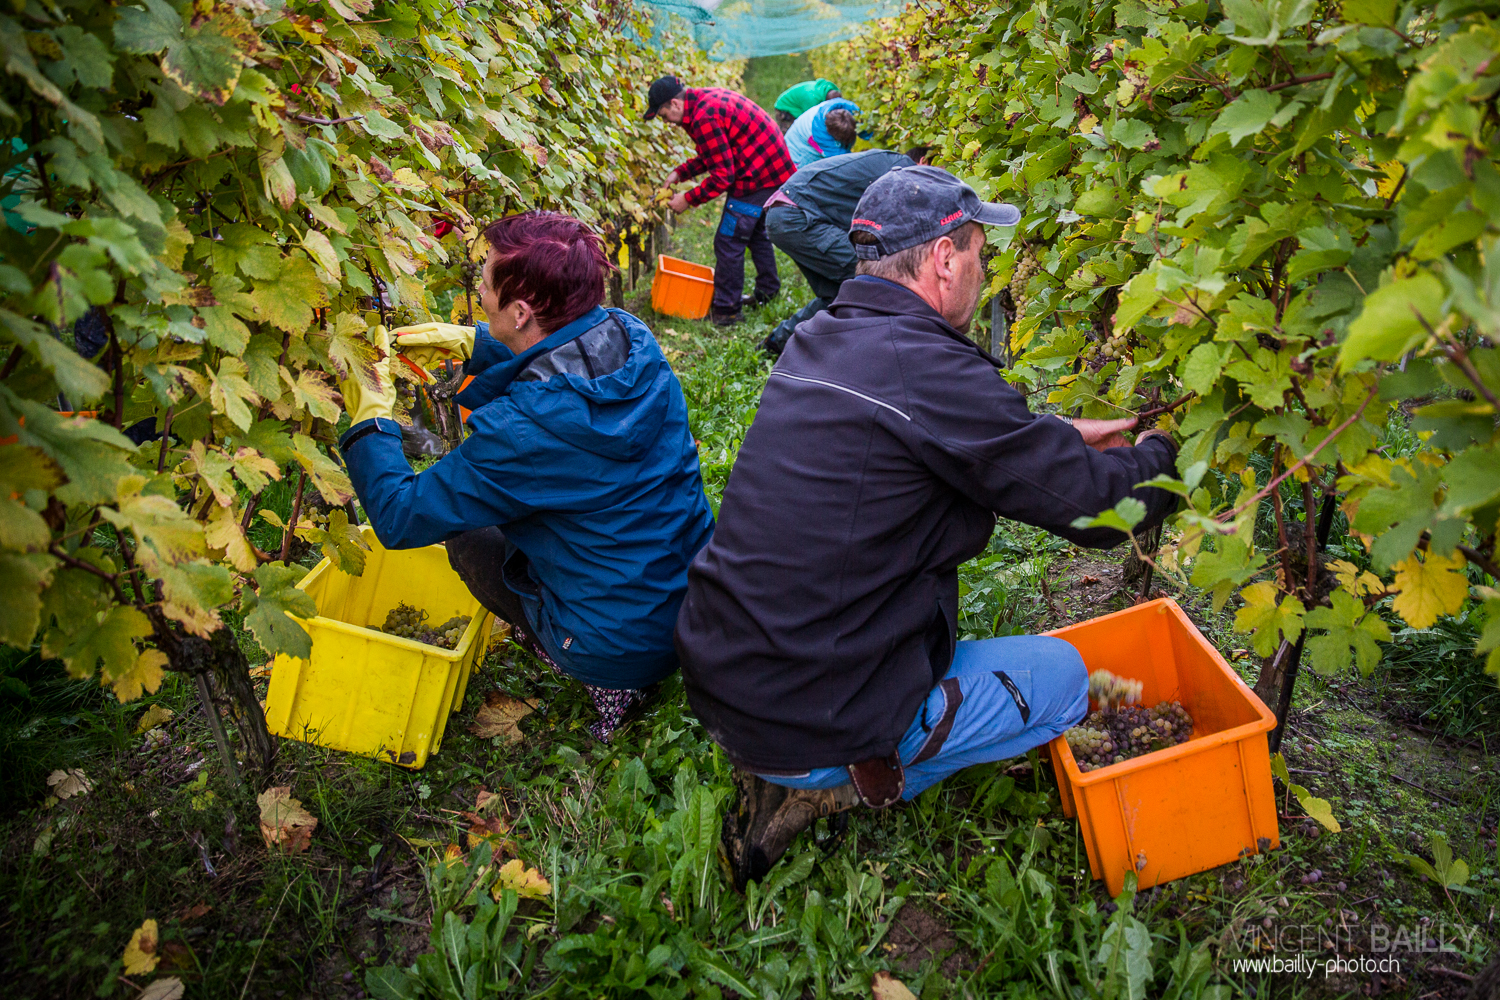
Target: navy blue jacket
{"x":594,"y":479}
{"x":825,"y":608}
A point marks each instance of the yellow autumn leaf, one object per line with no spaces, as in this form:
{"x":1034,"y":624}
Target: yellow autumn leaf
{"x":140,"y":954}
{"x":152,"y":717}
{"x":283,"y":821}
{"x":1429,"y":589}
{"x":887,"y":987}
{"x":1264,"y":618}
{"x":143,"y":677}
{"x":524,"y":882}
{"x":1351,"y":579}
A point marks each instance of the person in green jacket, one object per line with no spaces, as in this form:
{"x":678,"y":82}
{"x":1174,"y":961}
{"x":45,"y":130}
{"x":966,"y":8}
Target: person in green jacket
{"x":797,"y":99}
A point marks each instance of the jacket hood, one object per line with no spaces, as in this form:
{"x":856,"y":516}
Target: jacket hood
{"x":616,"y":416}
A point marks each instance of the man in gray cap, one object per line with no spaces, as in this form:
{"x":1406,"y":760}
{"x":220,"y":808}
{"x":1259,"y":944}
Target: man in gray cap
{"x":818,"y":636}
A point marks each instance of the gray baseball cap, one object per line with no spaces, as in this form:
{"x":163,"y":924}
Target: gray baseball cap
{"x":908,"y":206}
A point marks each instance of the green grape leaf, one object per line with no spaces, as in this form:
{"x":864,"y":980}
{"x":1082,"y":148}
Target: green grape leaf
{"x":22,"y":577}
{"x":1266,"y":619}
{"x":249,"y":248}
{"x":353,"y":353}
{"x":342,"y":543}
{"x":231,"y":394}
{"x":1381,"y":12}
{"x":23,"y":469}
{"x":76,"y":377}
{"x":1353,"y":635}
{"x":148,"y":31}
{"x":166,"y":534}
{"x":329,"y":479}
{"x":193,"y":591}
{"x":1318,"y":809}
{"x":1473,"y":480}
{"x":92,"y":454}
{"x":1250,"y":112}
{"x":268,"y":606}
{"x":1124,"y":516}
{"x":310,"y":390}
{"x":209,"y":57}
{"x":1225,"y":568}
{"x":109,"y":637}
{"x":287,"y":301}
{"x":1392,"y":322}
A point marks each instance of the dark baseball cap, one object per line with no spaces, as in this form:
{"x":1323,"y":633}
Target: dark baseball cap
{"x":662,"y":91}
{"x":908,"y":206}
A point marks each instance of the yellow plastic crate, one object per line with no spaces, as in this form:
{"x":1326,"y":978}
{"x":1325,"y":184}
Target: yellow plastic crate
{"x":368,"y":692}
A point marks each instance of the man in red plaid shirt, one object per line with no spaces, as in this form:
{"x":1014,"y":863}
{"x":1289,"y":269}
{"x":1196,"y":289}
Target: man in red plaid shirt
{"x":741,"y":149}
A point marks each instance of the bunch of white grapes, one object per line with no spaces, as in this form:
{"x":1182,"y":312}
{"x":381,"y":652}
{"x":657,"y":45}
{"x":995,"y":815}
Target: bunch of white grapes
{"x":1108,"y":691}
{"x":404,"y":621}
{"x":1121,"y":729}
{"x":1116,"y":348}
{"x":1026,"y":267}
{"x":1091,"y":747}
{"x":410,"y":623}
{"x":447,"y":634}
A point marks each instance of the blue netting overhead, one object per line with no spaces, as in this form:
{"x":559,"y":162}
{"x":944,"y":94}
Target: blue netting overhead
{"x":729,"y":29}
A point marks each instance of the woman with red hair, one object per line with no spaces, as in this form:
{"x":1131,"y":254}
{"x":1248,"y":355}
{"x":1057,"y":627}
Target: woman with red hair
{"x":574,"y":506}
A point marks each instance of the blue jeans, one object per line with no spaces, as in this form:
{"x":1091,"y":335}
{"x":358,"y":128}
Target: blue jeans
{"x":999,"y":699}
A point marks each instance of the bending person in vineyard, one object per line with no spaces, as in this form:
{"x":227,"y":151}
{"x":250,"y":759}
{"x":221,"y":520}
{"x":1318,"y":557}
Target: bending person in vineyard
{"x":746,"y":158}
{"x":574,"y":506}
{"x":820,"y":650}
{"x":825,"y":130}
{"x":808,"y":219}
{"x":800,"y":96}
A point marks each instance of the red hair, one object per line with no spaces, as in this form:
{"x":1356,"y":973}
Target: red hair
{"x":551,"y":261}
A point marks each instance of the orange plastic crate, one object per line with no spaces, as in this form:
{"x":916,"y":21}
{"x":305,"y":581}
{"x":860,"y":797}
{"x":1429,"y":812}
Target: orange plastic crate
{"x":1188,"y":808}
{"x":681,"y":288}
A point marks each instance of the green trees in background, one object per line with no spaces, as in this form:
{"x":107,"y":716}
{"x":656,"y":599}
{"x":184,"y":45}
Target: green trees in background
{"x":228,"y":195}
{"x":1281,"y":214}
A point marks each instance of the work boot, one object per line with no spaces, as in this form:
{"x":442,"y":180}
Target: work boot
{"x":764,"y":819}
{"x":725,"y":318}
{"x":754,"y":301}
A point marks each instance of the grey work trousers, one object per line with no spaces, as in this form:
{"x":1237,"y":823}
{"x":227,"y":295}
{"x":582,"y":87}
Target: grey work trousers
{"x":820,"y":249}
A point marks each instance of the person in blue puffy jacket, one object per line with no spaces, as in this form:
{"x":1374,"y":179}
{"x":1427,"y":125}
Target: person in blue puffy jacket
{"x":824,"y":130}
{"x":575,"y":504}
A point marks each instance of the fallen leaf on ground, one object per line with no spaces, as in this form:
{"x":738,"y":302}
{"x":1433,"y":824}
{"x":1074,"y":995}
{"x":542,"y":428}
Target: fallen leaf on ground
{"x":500,"y":717}
{"x":154,"y":716}
{"x":193,"y":912}
{"x":283,"y":821}
{"x":261,"y":670}
{"x":140,"y":954}
{"x":1086,"y":581}
{"x":490,"y":828}
{"x":525,"y":882}
{"x":887,"y":987}
{"x":488,"y":803}
{"x":499,"y":635}
{"x":169,"y":988}
{"x":66,"y":784}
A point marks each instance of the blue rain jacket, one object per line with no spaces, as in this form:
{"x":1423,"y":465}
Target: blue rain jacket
{"x":595,"y":480}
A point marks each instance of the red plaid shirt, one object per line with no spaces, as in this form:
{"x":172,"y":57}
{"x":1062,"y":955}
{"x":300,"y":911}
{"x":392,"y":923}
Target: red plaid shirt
{"x":738,"y":145}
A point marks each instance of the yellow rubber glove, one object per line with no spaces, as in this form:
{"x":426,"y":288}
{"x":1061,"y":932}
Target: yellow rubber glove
{"x":428,"y":345}
{"x":365,"y":404}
